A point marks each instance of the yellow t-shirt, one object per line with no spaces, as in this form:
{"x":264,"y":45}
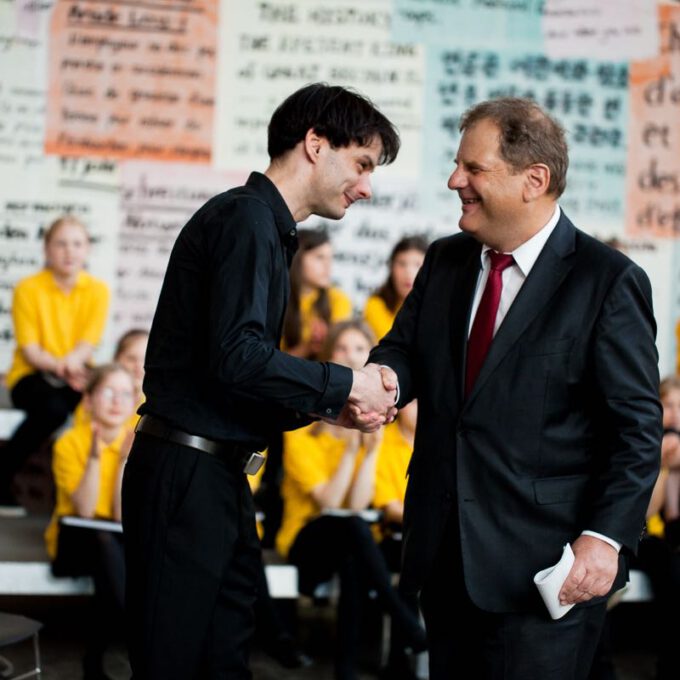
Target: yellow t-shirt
{"x":390,"y":471}
{"x":378,"y":316}
{"x":44,"y":314}
{"x":308,"y":460}
{"x":340,"y":306}
{"x":69,"y":459}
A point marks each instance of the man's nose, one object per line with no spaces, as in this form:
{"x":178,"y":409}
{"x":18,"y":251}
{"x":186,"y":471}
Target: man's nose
{"x":457,"y":180}
{"x":364,"y":187}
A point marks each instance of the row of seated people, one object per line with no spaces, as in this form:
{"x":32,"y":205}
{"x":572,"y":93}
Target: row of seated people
{"x":326,"y":468}
{"x":59,"y":316}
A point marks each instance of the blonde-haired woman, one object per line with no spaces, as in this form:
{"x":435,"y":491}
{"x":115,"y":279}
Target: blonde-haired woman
{"x":58,"y":316}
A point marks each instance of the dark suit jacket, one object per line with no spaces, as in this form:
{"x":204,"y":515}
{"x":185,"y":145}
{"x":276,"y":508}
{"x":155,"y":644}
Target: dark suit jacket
{"x":562,"y":430}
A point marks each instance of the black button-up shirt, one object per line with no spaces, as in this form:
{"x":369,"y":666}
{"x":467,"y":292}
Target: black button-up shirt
{"x":213,"y":367}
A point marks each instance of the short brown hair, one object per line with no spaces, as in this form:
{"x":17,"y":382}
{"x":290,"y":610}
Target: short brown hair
{"x":527,"y":135}
{"x":337,"y":329}
{"x":671,"y":382}
{"x":99,"y":373}
{"x":60,"y":222}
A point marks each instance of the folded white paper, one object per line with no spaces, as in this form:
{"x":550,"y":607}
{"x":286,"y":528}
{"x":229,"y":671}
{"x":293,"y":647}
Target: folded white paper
{"x":549,"y":583}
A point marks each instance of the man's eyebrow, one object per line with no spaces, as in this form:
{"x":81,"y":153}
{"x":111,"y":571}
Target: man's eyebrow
{"x":365,"y":158}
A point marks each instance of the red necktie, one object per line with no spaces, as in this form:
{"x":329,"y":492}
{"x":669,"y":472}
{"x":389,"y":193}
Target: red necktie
{"x":481,"y":334}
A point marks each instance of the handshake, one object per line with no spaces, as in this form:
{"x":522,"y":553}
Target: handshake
{"x":372,"y":401}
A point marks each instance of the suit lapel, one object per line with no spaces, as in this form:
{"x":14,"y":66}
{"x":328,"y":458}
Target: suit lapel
{"x":544,"y":279}
{"x":463,"y":293}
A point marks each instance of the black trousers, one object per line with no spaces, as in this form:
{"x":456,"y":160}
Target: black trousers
{"x":89,"y":552}
{"x":468,"y":643}
{"x":47,"y":409}
{"x":192,"y":558}
{"x":345,"y":545}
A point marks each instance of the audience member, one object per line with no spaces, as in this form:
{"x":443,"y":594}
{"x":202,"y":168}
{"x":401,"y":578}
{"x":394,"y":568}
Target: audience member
{"x":405,"y":260}
{"x":314,"y":304}
{"x":329,"y":476}
{"x":59,"y":316}
{"x":88,"y":468}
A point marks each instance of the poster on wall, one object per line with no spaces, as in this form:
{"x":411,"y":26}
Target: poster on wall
{"x":588,"y":97}
{"x":131,"y":80}
{"x":269,"y":50}
{"x":363,"y":238}
{"x":157,"y":199}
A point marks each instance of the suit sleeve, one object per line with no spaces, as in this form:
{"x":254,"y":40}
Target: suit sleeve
{"x":397,"y":348}
{"x":629,"y":419}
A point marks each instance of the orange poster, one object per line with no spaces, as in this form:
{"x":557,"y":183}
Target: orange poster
{"x":653,"y":167}
{"x":132,"y":79}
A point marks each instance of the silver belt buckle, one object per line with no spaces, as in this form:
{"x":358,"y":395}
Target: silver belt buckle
{"x":254,"y":463}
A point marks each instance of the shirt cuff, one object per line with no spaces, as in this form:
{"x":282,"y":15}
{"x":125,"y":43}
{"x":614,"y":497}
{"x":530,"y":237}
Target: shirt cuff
{"x":614,"y":544}
{"x":396,"y":398}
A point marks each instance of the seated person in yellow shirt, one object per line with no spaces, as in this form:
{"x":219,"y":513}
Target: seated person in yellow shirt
{"x":313,"y":304}
{"x":88,"y":463}
{"x":658,"y":555}
{"x":130,"y":352}
{"x":59,"y":316}
{"x":405,"y":261}
{"x":328,"y":469}
{"x":390,"y":490}
{"x":390,"y":479}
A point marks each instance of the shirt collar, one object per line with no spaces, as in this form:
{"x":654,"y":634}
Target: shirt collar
{"x":285,"y":222}
{"x":81,"y":280}
{"x":526,"y":255}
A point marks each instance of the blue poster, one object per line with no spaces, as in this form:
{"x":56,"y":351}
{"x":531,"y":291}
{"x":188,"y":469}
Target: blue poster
{"x":589,"y":98}
{"x":469,"y":23}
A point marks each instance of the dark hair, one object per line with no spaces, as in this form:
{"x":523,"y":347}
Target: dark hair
{"x":337,"y":329}
{"x":527,"y":135}
{"x":308,"y":239}
{"x":340,"y":115}
{"x":387,"y":291}
{"x":127,"y":339}
{"x":100,"y":373}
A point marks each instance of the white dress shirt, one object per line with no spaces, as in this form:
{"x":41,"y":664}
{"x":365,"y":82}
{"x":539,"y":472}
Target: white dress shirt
{"x":513,"y":278}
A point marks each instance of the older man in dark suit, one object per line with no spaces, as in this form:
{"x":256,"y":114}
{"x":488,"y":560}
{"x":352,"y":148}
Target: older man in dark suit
{"x":530,"y":347}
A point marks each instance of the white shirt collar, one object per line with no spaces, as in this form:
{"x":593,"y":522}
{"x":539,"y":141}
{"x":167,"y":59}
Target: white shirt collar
{"x":527,"y":254}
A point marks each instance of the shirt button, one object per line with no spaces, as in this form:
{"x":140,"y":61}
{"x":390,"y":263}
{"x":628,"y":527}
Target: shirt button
{"x":329,"y":411}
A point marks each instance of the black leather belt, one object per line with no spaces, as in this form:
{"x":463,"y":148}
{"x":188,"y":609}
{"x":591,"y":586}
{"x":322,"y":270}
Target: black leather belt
{"x":249,"y":462}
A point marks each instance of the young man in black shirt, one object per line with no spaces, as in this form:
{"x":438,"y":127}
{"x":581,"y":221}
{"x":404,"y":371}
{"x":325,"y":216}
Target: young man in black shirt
{"x":217,"y":387}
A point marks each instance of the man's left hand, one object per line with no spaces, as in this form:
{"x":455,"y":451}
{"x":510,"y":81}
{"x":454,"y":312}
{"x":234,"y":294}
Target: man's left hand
{"x":593,"y":571}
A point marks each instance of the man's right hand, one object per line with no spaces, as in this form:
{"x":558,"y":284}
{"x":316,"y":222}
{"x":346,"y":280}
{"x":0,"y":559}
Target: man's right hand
{"x":373,"y":394}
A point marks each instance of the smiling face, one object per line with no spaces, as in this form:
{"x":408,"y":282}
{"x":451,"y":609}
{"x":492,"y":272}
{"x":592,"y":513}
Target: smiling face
{"x":131,"y":358}
{"x":491,"y":191}
{"x":405,"y":267}
{"x":342,"y":176}
{"x":315,"y":267}
{"x":67,"y":249}
{"x":671,"y":408}
{"x":351,"y":349}
{"x":113,"y":399}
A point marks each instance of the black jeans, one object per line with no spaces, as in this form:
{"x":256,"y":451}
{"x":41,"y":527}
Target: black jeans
{"x":90,"y":552}
{"x":345,"y":545}
{"x":193,"y":559}
{"x":47,"y":409}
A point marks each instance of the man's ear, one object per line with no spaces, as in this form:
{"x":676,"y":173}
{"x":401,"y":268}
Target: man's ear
{"x":313,"y":144}
{"x":537,"y":181}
